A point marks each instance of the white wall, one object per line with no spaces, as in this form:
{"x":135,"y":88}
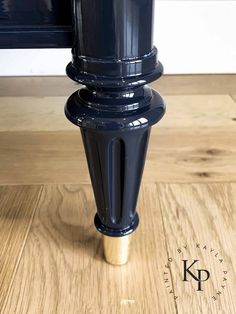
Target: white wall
{"x":196,"y":36}
{"x":192,"y":37}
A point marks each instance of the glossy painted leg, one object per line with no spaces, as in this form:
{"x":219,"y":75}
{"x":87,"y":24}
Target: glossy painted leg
{"x":113,"y":56}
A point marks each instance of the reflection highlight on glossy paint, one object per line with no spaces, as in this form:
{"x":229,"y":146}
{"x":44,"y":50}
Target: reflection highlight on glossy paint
{"x":121,"y":32}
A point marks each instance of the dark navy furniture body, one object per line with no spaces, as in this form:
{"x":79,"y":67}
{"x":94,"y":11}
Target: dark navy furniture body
{"x":114,"y":57}
{"x":35,"y":24}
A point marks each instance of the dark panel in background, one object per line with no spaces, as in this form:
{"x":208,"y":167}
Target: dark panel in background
{"x":35,"y":24}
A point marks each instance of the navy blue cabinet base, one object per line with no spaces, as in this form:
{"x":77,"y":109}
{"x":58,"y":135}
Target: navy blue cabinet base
{"x":114,"y":58}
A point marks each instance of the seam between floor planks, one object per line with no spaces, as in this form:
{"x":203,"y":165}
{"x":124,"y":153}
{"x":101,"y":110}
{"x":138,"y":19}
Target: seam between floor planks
{"x":57,"y":245}
{"x":46,"y":114}
{"x":233,"y":96}
{"x":183,"y":193}
{"x":216,"y":204}
{"x":178,"y":155}
{"x":21,"y":250}
{"x":144,"y":199}
{"x":221,"y":127}
{"x":167,"y":84}
{"x":166,"y":246}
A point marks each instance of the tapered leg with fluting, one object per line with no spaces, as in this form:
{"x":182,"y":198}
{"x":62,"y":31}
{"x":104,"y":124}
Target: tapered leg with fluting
{"x":114,"y":58}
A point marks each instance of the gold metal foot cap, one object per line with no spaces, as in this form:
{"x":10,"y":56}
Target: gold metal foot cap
{"x":116,"y":249}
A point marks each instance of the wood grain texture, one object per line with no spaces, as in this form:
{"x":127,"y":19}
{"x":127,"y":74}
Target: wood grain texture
{"x":167,"y":85}
{"x":202,"y":214}
{"x":62,"y":268}
{"x":33,"y":114}
{"x":174,"y":155}
{"x":47,"y":113}
{"x":17,"y":207}
{"x":203,"y":111}
{"x":51,"y":257}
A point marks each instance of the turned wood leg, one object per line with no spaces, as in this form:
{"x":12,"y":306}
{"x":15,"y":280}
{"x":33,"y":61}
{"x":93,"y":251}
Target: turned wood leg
{"x":114,"y":58}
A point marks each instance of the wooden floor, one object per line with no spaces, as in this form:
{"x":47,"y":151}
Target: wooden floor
{"x":51,"y":258}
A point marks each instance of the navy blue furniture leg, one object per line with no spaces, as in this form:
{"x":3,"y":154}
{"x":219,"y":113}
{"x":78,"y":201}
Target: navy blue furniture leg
{"x":113,"y":56}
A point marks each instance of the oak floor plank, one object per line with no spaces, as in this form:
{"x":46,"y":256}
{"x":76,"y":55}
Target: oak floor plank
{"x":56,"y":265}
{"x":17,"y":206}
{"x":174,"y":155}
{"x":33,"y":114}
{"x":202,"y":214}
{"x":62,"y":269}
{"x":167,"y":84}
{"x":196,"y":84}
{"x":47,"y":113}
{"x":203,"y":111}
